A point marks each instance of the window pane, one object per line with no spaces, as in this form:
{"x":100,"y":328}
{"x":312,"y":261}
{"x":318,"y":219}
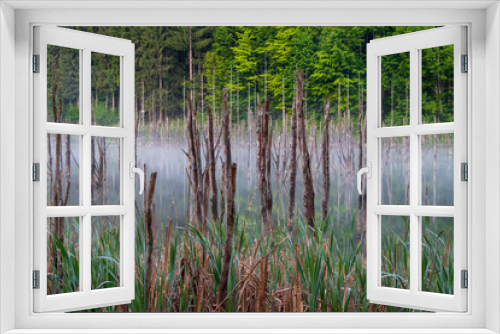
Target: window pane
{"x":395,"y":89}
{"x":395,"y":170}
{"x":437,"y":84}
{"x":437,"y":169}
{"x":105,"y":89}
{"x":437,"y":254}
{"x":63,"y":85}
{"x":63,"y":170}
{"x":63,"y":258}
{"x":395,"y":236}
{"x":105,"y":171}
{"x":105,"y":252}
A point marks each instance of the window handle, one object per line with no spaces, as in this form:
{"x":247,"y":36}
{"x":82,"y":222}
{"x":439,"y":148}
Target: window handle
{"x":362,"y":171}
{"x":134,"y":170}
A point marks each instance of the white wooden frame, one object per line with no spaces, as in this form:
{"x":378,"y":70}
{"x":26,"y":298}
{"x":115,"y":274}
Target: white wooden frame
{"x":484,"y":101}
{"x":414,"y":43}
{"x":86,"y":43}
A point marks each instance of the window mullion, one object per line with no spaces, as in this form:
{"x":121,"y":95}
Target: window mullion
{"x":86,"y":164}
{"x":414,"y":165}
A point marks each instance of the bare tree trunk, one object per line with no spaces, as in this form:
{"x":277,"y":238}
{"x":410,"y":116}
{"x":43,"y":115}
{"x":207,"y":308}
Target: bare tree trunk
{"x":308,"y":191}
{"x":195,"y":164}
{"x":191,"y":62}
{"x":326,"y":161}
{"x":228,"y":246}
{"x":263,"y":165}
{"x":293,"y":166}
{"x":230,"y":175}
{"x":211,"y":163}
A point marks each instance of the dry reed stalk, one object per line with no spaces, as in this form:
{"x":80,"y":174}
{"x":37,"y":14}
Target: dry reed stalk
{"x":244,"y":281}
{"x":149,"y":233}
{"x":152,"y":302}
{"x":263,"y":284}
{"x":166,"y":250}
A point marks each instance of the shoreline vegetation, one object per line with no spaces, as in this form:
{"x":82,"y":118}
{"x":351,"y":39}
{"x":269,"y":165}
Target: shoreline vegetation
{"x":260,"y":251}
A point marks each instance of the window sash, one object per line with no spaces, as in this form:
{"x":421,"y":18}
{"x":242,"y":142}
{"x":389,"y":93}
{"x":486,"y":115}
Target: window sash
{"x":85,"y":298}
{"x":413,"y":43}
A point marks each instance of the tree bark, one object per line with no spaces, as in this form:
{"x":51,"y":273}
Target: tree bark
{"x":230,"y":185}
{"x":228,"y":246}
{"x":326,"y":161}
{"x":293,"y":166}
{"x":211,"y":163}
{"x":195,"y":164}
{"x":308,"y":191}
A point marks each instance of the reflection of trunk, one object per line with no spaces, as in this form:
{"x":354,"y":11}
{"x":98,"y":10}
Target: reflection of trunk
{"x":57,"y":197}
{"x":326,"y":161}
{"x":308,"y":191}
{"x":68,"y":169}
{"x":293,"y":166}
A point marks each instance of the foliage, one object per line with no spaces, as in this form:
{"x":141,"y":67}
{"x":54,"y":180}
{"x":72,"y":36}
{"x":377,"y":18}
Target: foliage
{"x":309,"y":271}
{"x":263,"y":60}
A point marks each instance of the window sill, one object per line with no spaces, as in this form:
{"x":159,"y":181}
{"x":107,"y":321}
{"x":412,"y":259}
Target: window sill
{"x":251,"y":331}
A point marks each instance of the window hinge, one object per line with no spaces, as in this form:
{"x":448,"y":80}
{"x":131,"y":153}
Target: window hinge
{"x":36,"y":63}
{"x":36,"y":279}
{"x":465,"y":279}
{"x":465,"y":63}
{"x":464,"y":171}
{"x":36,"y":172}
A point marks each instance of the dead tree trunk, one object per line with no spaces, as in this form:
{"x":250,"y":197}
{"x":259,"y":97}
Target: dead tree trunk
{"x":293,"y":166}
{"x":230,"y":186}
{"x":195,"y":176}
{"x":308,"y":191}
{"x":326,"y":161}
{"x":263,"y":165}
{"x":211,"y":164}
{"x":228,"y":246}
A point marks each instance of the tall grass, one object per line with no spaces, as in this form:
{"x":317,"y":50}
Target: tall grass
{"x":320,"y":270}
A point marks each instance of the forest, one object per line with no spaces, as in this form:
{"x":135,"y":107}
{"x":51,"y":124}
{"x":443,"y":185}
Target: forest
{"x":250,"y":138}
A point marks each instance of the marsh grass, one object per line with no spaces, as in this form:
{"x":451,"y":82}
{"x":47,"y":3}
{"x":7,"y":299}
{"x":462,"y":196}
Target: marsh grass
{"x":320,"y":270}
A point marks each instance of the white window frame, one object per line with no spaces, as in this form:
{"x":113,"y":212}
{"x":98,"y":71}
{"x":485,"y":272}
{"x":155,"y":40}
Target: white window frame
{"x":484,"y":101}
{"x":86,"y":44}
{"x":413,"y":44}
